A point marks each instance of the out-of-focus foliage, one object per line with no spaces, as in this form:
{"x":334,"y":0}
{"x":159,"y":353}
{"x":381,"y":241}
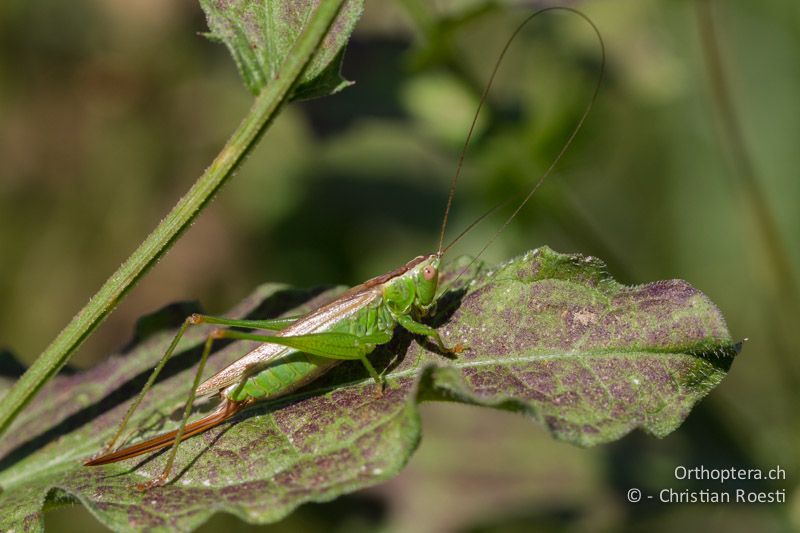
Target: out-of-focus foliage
{"x":109,"y":110}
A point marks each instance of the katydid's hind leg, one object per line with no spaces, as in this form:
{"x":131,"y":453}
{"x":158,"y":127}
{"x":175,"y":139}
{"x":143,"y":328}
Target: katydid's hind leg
{"x":150,"y":381}
{"x":271,"y":324}
{"x":187,"y":410}
{"x":192,"y":320}
{"x":416,"y":328}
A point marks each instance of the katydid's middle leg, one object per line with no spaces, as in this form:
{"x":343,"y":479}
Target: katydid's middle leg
{"x":417,"y":328}
{"x":192,"y":320}
{"x":187,"y":410}
{"x":380,"y":383}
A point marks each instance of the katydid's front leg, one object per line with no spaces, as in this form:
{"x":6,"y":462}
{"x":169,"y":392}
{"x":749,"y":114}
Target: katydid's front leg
{"x":193,"y":320}
{"x":417,"y":328}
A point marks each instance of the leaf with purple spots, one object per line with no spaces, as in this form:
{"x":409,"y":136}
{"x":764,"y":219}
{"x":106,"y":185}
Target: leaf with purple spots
{"x":551,"y":336}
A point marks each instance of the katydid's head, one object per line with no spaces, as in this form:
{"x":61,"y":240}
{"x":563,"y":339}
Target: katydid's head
{"x":413,"y":285}
{"x":426,"y":279}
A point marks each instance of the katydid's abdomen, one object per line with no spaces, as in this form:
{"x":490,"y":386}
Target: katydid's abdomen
{"x":282,"y":377}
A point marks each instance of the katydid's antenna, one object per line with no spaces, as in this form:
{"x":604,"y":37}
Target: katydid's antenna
{"x":556,"y":160}
{"x":482,"y":101}
{"x":475,"y":223}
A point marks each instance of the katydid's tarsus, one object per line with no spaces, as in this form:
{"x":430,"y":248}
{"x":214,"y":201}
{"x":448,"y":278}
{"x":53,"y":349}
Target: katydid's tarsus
{"x":349,"y":328}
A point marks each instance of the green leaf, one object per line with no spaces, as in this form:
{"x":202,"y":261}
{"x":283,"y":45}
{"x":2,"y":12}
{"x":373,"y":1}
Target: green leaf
{"x":549,"y":335}
{"x":260,"y":33}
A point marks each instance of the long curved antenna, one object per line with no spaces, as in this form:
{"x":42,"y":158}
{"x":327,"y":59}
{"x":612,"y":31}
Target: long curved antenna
{"x":569,"y":140}
{"x":564,"y":148}
{"x":475,"y":223}
{"x":482,"y":101}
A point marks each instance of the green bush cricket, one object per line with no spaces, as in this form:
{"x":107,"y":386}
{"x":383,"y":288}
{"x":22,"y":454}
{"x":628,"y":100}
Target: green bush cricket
{"x":348,"y":328}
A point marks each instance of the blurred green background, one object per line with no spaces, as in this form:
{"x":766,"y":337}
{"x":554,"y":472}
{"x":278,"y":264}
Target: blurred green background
{"x":109,"y":110}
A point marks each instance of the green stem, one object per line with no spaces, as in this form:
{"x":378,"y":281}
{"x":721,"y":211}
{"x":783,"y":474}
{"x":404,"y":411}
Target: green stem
{"x":779,"y":258}
{"x":261,"y":114}
{"x":785,"y":289}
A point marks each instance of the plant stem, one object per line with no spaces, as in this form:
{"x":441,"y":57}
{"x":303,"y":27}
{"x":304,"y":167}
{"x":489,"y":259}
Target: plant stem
{"x":261,"y":114}
{"x":779,"y":259}
{"x":785,"y":289}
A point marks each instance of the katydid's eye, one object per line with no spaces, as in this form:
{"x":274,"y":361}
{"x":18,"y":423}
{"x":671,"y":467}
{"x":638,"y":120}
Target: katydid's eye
{"x":429,"y":272}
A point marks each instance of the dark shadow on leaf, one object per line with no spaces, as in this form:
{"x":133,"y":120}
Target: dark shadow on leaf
{"x":387,"y":357}
{"x":447,"y":305}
